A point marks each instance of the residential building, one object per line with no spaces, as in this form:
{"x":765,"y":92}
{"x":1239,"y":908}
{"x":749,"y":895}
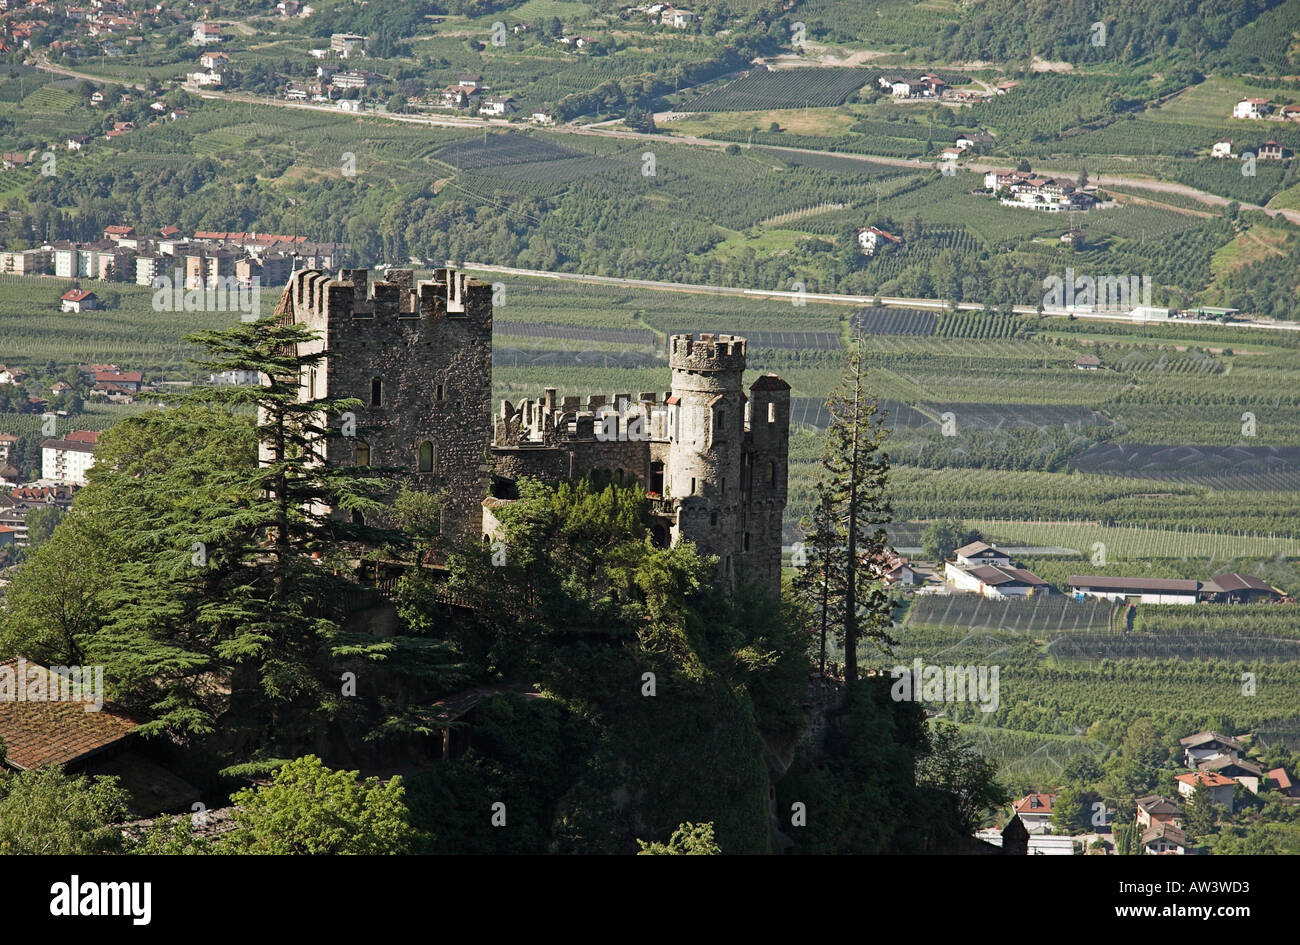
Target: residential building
{"x":1164,"y":839}
{"x":78,"y":300}
{"x":206,"y":34}
{"x":979,"y":553}
{"x":67,"y":460}
{"x":1222,"y":148}
{"x":1220,"y":787}
{"x":1087,"y":362}
{"x":1251,"y":108}
{"x":1035,"y":812}
{"x":1156,"y":809}
{"x":347,"y":45}
{"x":1270,"y":151}
{"x":497,"y":105}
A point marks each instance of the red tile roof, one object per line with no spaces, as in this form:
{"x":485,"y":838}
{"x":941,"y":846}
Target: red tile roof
{"x":76,"y":295}
{"x":1206,"y":778}
{"x":1035,"y":804}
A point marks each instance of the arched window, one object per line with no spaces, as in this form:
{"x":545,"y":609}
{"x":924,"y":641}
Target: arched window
{"x":363,"y":454}
{"x":428,"y":455}
{"x":376,"y":392}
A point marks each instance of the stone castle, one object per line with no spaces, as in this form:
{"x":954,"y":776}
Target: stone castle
{"x":418,"y":355}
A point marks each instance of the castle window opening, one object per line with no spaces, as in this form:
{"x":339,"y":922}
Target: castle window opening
{"x":746,"y":541}
{"x":771,"y":413}
{"x":657,"y":477}
{"x":692,"y":485}
{"x":363,"y":454}
{"x":713,"y":519}
{"x":376,"y":392}
{"x":439,"y":392}
{"x":427,"y":457}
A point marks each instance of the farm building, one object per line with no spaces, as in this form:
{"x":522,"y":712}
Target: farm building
{"x":1238,"y":589}
{"x":1087,"y":362}
{"x":1222,"y":148}
{"x":1147,"y":590}
{"x":994,"y":582}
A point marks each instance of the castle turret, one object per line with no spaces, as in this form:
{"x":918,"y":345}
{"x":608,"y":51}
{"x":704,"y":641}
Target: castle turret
{"x":706,"y":444}
{"x":769,"y":455}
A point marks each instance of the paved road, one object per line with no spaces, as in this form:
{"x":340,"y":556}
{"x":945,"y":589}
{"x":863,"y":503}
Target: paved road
{"x":931,"y":304}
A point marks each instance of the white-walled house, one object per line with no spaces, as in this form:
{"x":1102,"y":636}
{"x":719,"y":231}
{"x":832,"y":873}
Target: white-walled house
{"x":1251,"y":108}
{"x":1222,"y":148}
{"x":1035,"y":812}
{"x":873,"y":238}
{"x":1221,"y":788}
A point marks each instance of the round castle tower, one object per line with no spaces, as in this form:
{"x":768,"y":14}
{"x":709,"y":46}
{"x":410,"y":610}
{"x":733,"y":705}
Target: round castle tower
{"x":706,"y":442}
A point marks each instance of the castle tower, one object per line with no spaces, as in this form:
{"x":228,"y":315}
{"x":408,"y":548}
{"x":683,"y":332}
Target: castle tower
{"x":707,"y":444}
{"x":419,"y":358}
{"x":767,"y":478}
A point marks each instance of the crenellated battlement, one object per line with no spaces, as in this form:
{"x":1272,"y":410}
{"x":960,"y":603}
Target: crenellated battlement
{"x":708,"y":352}
{"x":318,"y":296}
{"x":552,"y":420}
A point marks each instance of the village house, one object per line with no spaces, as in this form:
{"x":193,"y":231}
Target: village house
{"x":78,"y":300}
{"x":1035,"y":812}
{"x":1222,"y":148}
{"x":1164,"y":839}
{"x":1291,"y":112}
{"x":1087,"y":362}
{"x":1207,"y":745}
{"x":678,"y":19}
{"x":1156,"y":809}
{"x":543,"y":117}
{"x":1251,"y":108}
{"x":77,"y":142}
{"x":1246,"y":773}
{"x":214,"y":60}
{"x":1270,"y":151}
{"x":980,"y":568}
{"x":1280,"y":780}
{"x":497,"y":105}
{"x":1219,"y":787}
{"x":207,"y":78}
{"x":206,"y":34}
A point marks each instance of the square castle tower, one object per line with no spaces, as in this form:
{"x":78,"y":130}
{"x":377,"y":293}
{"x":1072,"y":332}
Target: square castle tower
{"x":713,"y":461}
